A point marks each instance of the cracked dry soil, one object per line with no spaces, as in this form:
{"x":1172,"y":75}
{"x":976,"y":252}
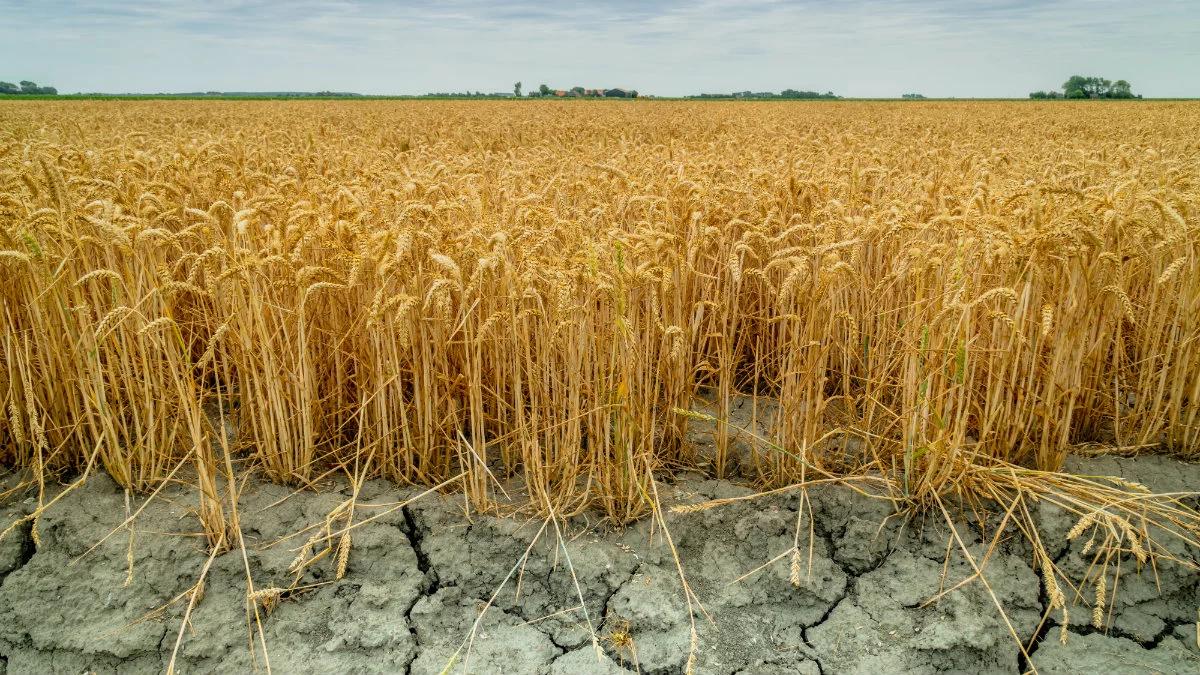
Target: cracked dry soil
{"x":419,"y":576}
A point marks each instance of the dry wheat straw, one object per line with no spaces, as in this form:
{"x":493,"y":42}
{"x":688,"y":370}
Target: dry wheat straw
{"x":547,"y":300}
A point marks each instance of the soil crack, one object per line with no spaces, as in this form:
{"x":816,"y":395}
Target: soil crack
{"x":432,"y":580}
{"x":1113,"y":631}
{"x":637,"y":569}
{"x":413,"y":533}
{"x":1043,"y":629}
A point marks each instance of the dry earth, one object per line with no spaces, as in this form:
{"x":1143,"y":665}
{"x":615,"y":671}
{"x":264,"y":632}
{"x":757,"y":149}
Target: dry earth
{"x":419,"y":576}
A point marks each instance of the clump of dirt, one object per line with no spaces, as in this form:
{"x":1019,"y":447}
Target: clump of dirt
{"x":1096,"y":653}
{"x":502,"y":642}
{"x":428,"y":586}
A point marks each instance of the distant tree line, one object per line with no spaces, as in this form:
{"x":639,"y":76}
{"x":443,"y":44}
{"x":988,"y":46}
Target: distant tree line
{"x":1081,"y":86}
{"x":544,"y":90}
{"x":912,"y":97}
{"x":272,"y":94}
{"x":468,"y":94}
{"x":26,"y":87}
{"x":786,"y":93}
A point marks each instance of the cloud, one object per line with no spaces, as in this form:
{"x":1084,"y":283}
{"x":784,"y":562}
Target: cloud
{"x":855,"y":47}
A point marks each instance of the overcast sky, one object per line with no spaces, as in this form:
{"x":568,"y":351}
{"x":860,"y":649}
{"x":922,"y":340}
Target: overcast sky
{"x":667,"y":47}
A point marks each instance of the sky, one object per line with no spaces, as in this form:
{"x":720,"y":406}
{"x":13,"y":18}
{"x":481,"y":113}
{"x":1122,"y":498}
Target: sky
{"x":855,"y":48}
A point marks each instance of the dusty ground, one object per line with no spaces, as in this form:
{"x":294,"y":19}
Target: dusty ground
{"x":419,"y":576}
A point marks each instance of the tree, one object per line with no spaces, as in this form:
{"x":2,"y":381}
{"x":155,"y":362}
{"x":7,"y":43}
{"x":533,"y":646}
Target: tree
{"x":543,"y":90}
{"x":1079,"y":86}
{"x":26,"y":88}
{"x":517,"y":90}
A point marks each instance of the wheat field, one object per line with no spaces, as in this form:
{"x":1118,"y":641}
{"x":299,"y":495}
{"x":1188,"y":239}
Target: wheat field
{"x":449,"y":293}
